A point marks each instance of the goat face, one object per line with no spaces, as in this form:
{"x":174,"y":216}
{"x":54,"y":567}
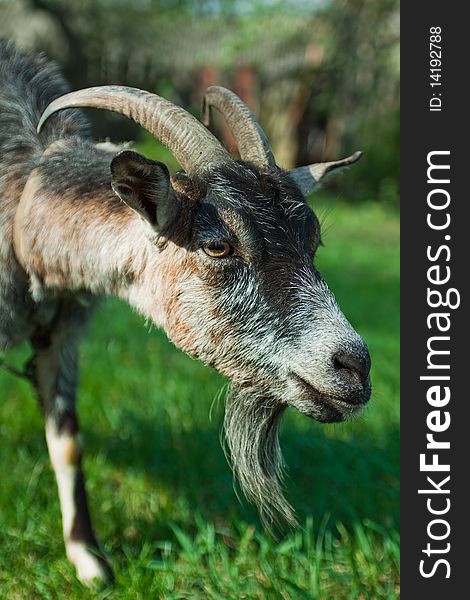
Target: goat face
{"x":242,"y":293}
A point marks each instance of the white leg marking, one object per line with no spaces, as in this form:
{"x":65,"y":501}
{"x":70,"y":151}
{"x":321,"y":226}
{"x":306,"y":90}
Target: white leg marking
{"x":64,"y":451}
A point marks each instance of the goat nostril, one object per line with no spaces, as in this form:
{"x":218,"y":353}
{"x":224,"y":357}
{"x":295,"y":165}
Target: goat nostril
{"x":356,"y":366}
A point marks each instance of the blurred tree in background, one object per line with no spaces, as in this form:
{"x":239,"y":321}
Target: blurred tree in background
{"x":321,"y":75}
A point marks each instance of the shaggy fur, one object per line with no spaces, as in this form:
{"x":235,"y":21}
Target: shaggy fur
{"x":251,"y":427}
{"x":27,"y":85}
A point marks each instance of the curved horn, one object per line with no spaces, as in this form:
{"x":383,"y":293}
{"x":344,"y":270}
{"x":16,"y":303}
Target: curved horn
{"x":194,"y":147}
{"x":252,"y":142}
{"x":309,"y":177}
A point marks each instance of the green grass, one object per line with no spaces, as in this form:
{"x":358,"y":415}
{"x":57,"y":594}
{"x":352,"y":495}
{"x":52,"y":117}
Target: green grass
{"x":160,"y":490}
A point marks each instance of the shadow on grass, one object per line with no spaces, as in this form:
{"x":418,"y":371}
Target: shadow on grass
{"x":350,"y":480}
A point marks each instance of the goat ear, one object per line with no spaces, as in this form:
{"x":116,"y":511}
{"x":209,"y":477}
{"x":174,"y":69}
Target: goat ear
{"x":144,"y":185}
{"x":308,"y":178}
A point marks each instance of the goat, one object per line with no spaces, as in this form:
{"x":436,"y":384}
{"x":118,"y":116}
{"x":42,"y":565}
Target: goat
{"x":219,"y":255}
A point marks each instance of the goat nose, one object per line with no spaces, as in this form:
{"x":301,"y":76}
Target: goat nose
{"x":354,"y":365}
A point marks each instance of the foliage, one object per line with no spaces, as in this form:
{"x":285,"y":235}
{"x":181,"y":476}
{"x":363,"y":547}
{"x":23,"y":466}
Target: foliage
{"x":322,"y":76}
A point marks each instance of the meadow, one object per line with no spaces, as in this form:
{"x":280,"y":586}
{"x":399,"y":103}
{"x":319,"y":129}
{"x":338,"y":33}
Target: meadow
{"x":160,"y":489}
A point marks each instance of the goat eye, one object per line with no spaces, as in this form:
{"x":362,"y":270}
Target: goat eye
{"x":218,"y":249}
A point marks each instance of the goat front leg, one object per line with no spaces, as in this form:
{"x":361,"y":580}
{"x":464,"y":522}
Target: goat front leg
{"x":55,"y":374}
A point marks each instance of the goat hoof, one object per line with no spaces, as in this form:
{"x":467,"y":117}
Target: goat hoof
{"x":91,"y":568}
